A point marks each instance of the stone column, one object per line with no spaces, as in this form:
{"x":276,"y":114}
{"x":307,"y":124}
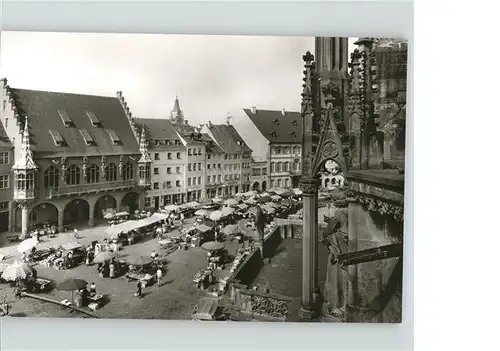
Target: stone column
{"x":24,"y":221}
{"x":60,"y":220}
{"x":309,"y":187}
{"x":352,"y":270}
{"x":12,"y":213}
{"x":91,"y":216}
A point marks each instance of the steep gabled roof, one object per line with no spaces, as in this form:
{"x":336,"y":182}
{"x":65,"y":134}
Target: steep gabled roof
{"x":5,"y":142}
{"x":229,"y":139}
{"x":157,"y":128}
{"x":276,"y":127}
{"x":68,"y":118}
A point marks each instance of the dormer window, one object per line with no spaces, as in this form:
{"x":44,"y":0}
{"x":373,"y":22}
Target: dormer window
{"x":93,"y":119}
{"x":114,"y":137}
{"x":277,"y":122}
{"x":273,"y":134}
{"x":86,"y":137}
{"x":56,"y":136}
{"x":294,"y":122}
{"x":65,"y":118}
{"x":293,"y":134}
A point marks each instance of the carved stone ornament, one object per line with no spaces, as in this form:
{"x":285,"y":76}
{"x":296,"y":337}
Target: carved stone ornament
{"x":309,"y":186}
{"x":266,"y":306}
{"x":383,"y":208}
{"x":103,"y":166}
{"x":84,"y":167}
{"x":120,"y":166}
{"x":63,"y":168}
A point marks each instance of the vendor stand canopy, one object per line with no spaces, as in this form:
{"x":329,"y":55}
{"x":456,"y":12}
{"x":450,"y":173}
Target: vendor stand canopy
{"x":217,"y":199}
{"x":216,"y":215}
{"x":231,"y":229}
{"x":271,"y":204}
{"x":192,"y":204}
{"x":276,"y":197}
{"x":242,"y":206}
{"x":287,"y":194}
{"x":17,"y":270}
{"x":206,"y":309}
{"x":71,"y":246}
{"x":203,"y":228}
{"x":265,"y":199}
{"x":171,"y":208}
{"x":226,"y":211}
{"x":201,"y":212}
{"x":231,"y":202}
{"x":104,"y":256}
{"x":213,"y":246}
{"x":72,"y":285}
{"x":250,"y":201}
{"x":249,"y":193}
{"x":27,"y":245}
{"x":139,"y":260}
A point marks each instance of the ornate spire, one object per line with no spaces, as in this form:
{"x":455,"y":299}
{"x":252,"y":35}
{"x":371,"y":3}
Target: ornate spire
{"x":143,"y":147}
{"x":25,"y":161}
{"x":176,"y":114}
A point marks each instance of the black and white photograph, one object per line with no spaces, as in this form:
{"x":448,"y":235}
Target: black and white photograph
{"x":202,"y":177}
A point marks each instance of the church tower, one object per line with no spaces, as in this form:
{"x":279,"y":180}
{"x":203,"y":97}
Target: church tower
{"x":176,"y":115}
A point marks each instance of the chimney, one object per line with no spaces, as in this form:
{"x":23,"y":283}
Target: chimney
{"x":209,"y":123}
{"x":229,"y":119}
{"x":283,"y":112}
{"x":186,"y":122}
{"x":254,"y":110}
{"x":119,"y":94}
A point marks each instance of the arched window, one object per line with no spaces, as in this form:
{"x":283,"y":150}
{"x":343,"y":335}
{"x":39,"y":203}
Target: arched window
{"x":278,"y":167}
{"x":272,"y":183}
{"x":73,"y":175}
{"x":278,"y":182}
{"x":128,"y":171}
{"x":51,"y":177}
{"x":93,"y":174}
{"x":286,"y":183}
{"x":111,"y":172}
{"x":272,"y":167}
{"x":286,"y":166}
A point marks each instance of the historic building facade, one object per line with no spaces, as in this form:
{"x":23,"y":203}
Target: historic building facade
{"x":234,"y":164}
{"x":6,"y":193}
{"x":76,"y":156}
{"x":282,"y":131}
{"x":168,"y":156}
{"x":259,"y":176}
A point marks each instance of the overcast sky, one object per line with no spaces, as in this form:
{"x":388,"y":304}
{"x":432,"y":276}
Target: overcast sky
{"x":213,"y":75}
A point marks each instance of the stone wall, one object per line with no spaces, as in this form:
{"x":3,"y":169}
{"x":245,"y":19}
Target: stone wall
{"x":262,"y":305}
{"x":378,"y":283}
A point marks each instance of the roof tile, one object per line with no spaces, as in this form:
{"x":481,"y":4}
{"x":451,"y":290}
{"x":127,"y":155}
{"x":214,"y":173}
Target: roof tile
{"x":276,"y":127}
{"x":43,"y":107}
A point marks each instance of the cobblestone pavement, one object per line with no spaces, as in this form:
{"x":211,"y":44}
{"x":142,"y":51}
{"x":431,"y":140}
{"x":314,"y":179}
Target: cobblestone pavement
{"x":175,"y":299}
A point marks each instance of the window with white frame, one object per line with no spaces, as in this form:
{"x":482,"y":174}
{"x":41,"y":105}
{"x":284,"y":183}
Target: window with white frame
{"x":4,"y":181}
{"x":4,"y":157}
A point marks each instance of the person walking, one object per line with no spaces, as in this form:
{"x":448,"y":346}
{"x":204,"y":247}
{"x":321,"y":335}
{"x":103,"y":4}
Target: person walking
{"x":75,"y":234}
{"x":138,"y":292}
{"x":159,"y":275}
{"x":92,"y":289}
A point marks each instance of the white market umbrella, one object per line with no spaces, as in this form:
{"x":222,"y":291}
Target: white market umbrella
{"x":17,"y":270}
{"x":226,"y":211}
{"x":201,"y":213}
{"x":27,"y":245}
{"x":215,"y":216}
{"x":231,"y":202}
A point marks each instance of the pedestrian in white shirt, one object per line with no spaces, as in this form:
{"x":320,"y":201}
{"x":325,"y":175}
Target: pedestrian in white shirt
{"x":159,"y":274}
